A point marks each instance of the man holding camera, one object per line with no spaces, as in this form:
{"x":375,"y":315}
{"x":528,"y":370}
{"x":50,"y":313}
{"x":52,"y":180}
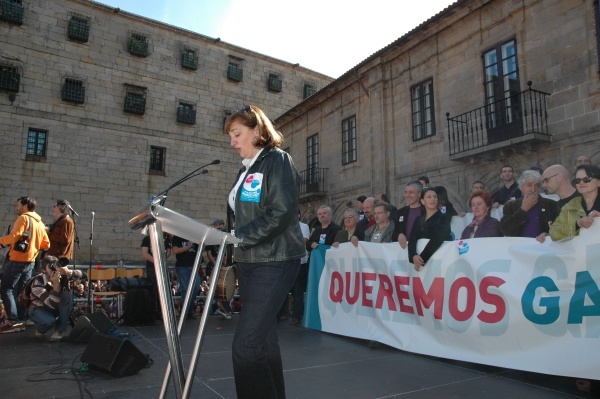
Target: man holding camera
{"x":26,"y":239}
{"x":51,"y":302}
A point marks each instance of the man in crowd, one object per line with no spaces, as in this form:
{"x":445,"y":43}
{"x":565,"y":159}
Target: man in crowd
{"x":382,"y":197}
{"x":509,"y":190}
{"x":349,"y":233}
{"x":384,"y":227}
{"x":582,"y":160}
{"x":408,"y":214}
{"x":185,"y":254}
{"x":151,"y":272}
{"x":20,"y":267}
{"x":531,"y":215}
{"x":369,"y":219}
{"x":62,"y":231}
{"x":325,"y":233}
{"x":476,"y":186}
{"x":359,"y":206}
{"x":424,"y":180}
{"x":555,"y":180}
{"x":51,"y":302}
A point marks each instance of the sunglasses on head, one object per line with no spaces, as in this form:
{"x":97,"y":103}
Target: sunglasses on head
{"x":586,"y":179}
{"x":245,"y":108}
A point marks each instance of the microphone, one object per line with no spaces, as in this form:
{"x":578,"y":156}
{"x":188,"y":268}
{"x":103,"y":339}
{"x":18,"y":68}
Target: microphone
{"x":73,"y":211}
{"x":195,"y":172}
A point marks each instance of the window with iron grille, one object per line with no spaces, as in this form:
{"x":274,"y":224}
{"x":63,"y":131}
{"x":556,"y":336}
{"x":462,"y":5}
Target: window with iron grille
{"x":423,"y":119}
{"x":309,"y":90}
{"x":312,"y":158}
{"x":157,"y":160}
{"x":135,"y":103}
{"x":138,"y":45}
{"x":235,"y":72}
{"x":186,"y":113}
{"x":275,"y":83}
{"x":189,"y":59}
{"x":73,"y":91}
{"x":11,"y":11}
{"x":79,"y":29}
{"x":349,"y":140}
{"x":37,"y":141}
{"x":9,"y":78}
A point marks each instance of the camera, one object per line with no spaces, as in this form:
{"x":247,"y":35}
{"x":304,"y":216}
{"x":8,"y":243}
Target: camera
{"x":22,"y":245}
{"x":64,"y":279}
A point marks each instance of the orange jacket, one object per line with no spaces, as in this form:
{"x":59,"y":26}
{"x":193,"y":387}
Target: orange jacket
{"x":38,"y":240}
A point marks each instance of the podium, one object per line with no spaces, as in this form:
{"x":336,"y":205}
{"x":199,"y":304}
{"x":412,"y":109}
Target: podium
{"x":158,"y":219}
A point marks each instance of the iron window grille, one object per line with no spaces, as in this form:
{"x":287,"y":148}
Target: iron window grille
{"x":349,"y":140}
{"x":157,"y":160}
{"x":423,"y":116}
{"x":36,"y":144}
{"x":135,"y":103}
{"x":79,"y":29}
{"x":9,"y":78}
{"x":312,"y":162}
{"x":275,"y":83}
{"x":309,"y":90}
{"x":73,"y":91}
{"x":189,"y":59}
{"x":11,"y":11}
{"x":235,"y":72}
{"x":186,"y":113}
{"x":138,"y":45}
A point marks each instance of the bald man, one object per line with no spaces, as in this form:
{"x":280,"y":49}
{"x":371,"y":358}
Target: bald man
{"x":555,"y":180}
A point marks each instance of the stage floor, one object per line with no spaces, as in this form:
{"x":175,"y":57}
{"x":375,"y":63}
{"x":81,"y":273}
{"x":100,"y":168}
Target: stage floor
{"x":317,"y":365}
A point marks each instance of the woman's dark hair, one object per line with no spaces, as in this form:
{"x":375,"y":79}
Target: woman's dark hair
{"x":426,"y":190}
{"x":252,"y":117}
{"x":590,"y":170}
{"x":442,"y":194}
{"x":485,"y":196}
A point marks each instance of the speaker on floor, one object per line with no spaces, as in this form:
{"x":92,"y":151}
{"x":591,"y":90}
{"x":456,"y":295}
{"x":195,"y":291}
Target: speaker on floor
{"x":115,"y":356}
{"x":86,"y":326}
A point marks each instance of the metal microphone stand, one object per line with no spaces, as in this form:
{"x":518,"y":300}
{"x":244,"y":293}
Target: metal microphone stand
{"x":89,"y":301}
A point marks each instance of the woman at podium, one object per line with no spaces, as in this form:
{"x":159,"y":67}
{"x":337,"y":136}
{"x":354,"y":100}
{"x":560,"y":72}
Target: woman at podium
{"x":264,"y":199}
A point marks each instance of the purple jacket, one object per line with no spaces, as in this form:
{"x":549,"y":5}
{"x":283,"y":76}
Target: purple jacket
{"x":489,"y":227}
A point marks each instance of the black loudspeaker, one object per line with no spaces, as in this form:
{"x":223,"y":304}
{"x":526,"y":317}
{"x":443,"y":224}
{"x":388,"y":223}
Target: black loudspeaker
{"x":115,"y":356}
{"x":86,"y":327}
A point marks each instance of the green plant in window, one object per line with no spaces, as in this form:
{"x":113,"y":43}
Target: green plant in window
{"x":138,"y":45}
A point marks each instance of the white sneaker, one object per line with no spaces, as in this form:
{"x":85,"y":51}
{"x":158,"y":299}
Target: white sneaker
{"x":39,"y":334}
{"x":225,"y":315}
{"x":57,"y":336}
{"x":29,"y":322}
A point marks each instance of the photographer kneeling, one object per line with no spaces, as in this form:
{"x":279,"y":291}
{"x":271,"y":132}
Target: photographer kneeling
{"x":51,"y":302}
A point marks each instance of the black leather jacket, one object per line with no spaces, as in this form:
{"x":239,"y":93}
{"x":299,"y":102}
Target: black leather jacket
{"x":269,"y":227}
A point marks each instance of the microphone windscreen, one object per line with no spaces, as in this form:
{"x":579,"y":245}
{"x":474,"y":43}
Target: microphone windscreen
{"x":216,"y":161}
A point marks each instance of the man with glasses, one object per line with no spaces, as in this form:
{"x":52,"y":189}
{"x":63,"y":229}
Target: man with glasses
{"x":555,"y":180}
{"x":384,"y":227}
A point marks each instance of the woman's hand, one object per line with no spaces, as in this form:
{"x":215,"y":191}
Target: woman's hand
{"x":585,"y":222}
{"x":418,"y":262}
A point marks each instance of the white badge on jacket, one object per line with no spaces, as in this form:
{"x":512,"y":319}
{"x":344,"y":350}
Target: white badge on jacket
{"x":252,"y":188}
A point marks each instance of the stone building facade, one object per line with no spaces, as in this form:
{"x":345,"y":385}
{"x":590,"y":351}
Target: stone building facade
{"x":106,"y":108}
{"x":385,"y":121}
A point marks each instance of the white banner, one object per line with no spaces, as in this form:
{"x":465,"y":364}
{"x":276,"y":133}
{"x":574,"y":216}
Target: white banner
{"x":507,"y":302}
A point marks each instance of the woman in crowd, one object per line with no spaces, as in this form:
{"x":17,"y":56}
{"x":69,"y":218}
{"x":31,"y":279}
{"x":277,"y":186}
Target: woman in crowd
{"x":349,"y":231}
{"x":264,"y":199}
{"x":432,"y":224}
{"x":579,"y":212}
{"x":483,"y":225}
{"x":444,"y":204}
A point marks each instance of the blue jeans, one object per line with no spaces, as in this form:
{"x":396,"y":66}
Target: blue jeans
{"x":184,"y":275}
{"x":45,"y":319}
{"x":14,"y":275}
{"x":257,"y":363}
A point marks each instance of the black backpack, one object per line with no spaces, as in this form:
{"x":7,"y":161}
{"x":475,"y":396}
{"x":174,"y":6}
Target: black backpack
{"x":138,"y":308}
